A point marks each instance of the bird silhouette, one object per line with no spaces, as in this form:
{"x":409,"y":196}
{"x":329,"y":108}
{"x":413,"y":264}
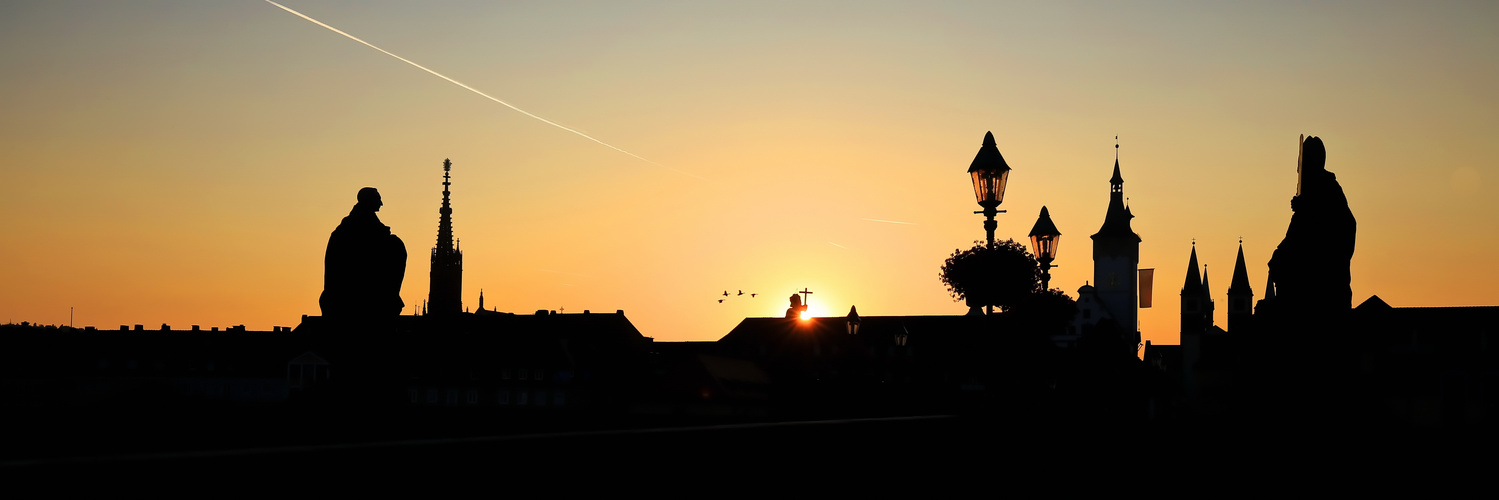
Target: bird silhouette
{"x":726,"y":293}
{"x":741,"y":292}
{"x":720,"y":301}
{"x":753,"y":295}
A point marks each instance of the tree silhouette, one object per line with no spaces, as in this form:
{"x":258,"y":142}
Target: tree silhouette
{"x":1001,"y":275}
{"x":1047,"y":310}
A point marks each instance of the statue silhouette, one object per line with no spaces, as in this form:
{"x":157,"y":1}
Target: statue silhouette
{"x":364,"y":266}
{"x":1310,"y":267}
{"x":796,"y":309}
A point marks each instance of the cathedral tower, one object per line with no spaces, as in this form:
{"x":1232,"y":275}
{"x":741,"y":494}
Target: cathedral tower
{"x":1195,"y":301}
{"x":445,"y":297}
{"x":1240,"y":296}
{"x":1116,"y":256}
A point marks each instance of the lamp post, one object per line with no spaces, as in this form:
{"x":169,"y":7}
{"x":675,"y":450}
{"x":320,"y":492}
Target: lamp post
{"x":1044,"y":239}
{"x":990,"y":173}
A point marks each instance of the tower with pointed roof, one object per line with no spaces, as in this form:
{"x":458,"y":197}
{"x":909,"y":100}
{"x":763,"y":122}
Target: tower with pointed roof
{"x":1116,"y":257}
{"x":1196,"y":320}
{"x":444,"y":297}
{"x":1240,"y":296}
{"x":1210,"y":309}
{"x":1195,"y":302}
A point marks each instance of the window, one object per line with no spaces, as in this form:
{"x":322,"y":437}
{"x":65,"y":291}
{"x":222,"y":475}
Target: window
{"x":523,"y":373}
{"x":413,"y":394}
{"x":473,"y":397}
{"x":520,"y":397}
{"x":432,"y":396}
{"x":452,"y":396}
{"x":538,"y":374}
{"x":541,"y":398}
{"x":503,"y":398}
{"x":558,"y":398}
{"x":505,"y":374}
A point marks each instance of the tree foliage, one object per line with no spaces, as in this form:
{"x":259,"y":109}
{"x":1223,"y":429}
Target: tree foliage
{"x":1047,"y":310}
{"x":1002,"y":275}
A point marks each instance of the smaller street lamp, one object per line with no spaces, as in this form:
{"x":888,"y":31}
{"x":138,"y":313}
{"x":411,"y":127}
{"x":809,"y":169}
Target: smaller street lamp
{"x":1044,"y":239}
{"x":990,"y":173}
{"x":853,"y":320}
{"x":902,"y":336}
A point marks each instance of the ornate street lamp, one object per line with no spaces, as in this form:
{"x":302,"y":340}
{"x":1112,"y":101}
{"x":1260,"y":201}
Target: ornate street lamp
{"x":902,"y":336}
{"x":853,"y":320}
{"x":1044,"y":240}
{"x":990,"y":173}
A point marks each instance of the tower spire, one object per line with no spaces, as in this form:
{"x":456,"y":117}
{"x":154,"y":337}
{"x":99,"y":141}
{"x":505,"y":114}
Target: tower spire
{"x":445,"y":220}
{"x":1193,"y":283}
{"x":1240,"y":296}
{"x":447,"y":261}
{"x":1240,"y":281}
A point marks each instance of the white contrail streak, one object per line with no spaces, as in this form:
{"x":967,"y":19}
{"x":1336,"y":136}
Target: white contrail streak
{"x":837,"y":245}
{"x":890,"y":221}
{"x":476,"y":91}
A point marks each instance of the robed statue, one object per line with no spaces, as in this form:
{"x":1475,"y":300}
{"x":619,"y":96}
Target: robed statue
{"x":364,"y":266}
{"x":1310,"y":267}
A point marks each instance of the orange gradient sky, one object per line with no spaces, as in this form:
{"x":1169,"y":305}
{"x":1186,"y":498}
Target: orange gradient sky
{"x":184,"y":162}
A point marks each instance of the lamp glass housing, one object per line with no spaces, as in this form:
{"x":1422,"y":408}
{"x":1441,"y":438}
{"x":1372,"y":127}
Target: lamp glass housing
{"x":1045,"y":245}
{"x":989,"y":185}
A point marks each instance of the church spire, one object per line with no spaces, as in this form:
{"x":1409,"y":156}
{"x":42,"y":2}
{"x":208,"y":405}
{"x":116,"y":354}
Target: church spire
{"x":1240,"y":296}
{"x":1116,"y":221}
{"x":447,"y":261}
{"x":1207,"y":290}
{"x":445,"y":220}
{"x":1193,"y":283}
{"x":1117,"y":180}
{"x":1207,"y":298}
{"x":1240,"y":281}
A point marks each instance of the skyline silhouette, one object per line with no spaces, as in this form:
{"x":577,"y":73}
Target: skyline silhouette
{"x":175,"y":175}
{"x":364,"y":376}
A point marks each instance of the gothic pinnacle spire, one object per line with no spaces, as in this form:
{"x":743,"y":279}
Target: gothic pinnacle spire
{"x":445,"y":221}
{"x":446,"y":283}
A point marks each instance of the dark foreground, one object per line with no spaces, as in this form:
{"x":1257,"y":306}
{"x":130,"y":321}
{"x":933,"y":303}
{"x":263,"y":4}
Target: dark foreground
{"x":942,"y":451}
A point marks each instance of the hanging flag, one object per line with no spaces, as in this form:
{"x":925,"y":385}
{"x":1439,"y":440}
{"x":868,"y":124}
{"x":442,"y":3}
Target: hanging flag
{"x":1147,"y":278}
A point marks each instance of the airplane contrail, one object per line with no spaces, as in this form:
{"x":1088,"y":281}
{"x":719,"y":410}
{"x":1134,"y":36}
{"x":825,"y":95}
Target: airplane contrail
{"x":837,"y":245}
{"x":890,"y":221}
{"x":476,"y":91}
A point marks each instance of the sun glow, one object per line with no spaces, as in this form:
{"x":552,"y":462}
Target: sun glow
{"x":805,"y":315}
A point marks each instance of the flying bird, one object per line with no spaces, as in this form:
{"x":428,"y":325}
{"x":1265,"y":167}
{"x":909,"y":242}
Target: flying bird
{"x":725,"y":293}
{"x":753,"y":295}
{"x":720,"y":301}
{"x":741,"y":292}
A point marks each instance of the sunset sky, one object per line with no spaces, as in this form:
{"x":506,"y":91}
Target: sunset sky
{"x":184,"y":162}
